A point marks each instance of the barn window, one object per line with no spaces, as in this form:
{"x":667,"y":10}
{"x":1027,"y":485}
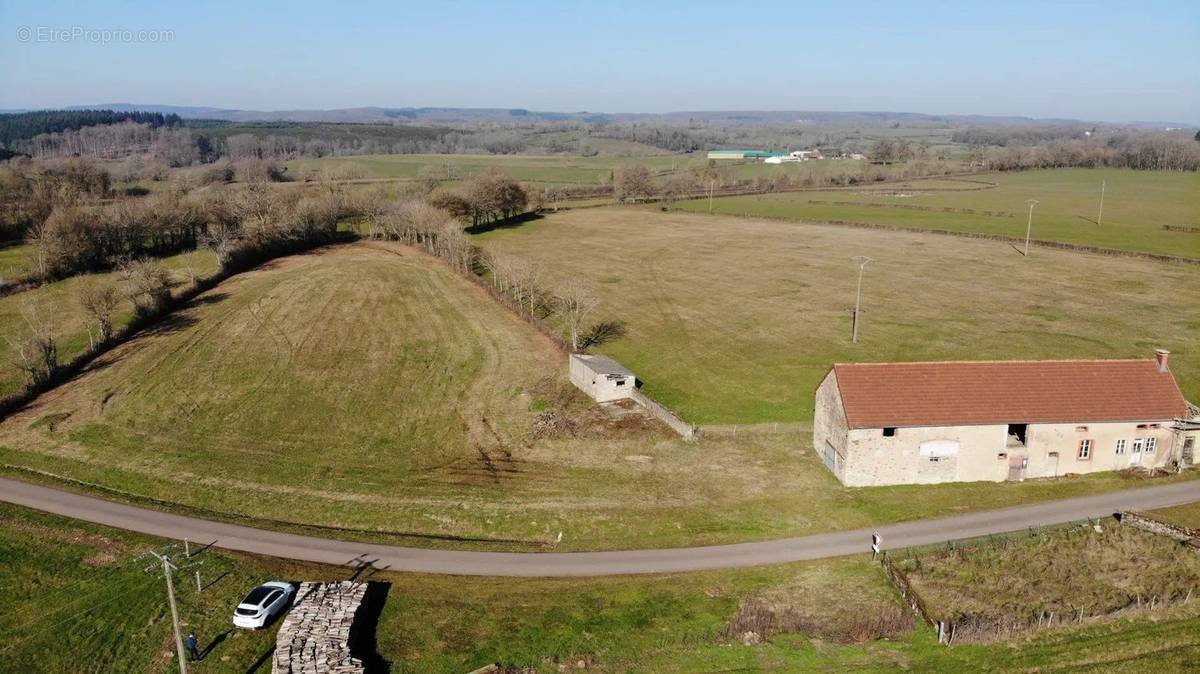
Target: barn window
{"x":889,"y":432}
{"x":1151,"y":445}
{"x":1017,"y":434}
{"x":1085,"y":449}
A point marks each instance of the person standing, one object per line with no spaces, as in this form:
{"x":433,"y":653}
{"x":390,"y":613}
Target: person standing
{"x":876,"y":539}
{"x":191,"y":644}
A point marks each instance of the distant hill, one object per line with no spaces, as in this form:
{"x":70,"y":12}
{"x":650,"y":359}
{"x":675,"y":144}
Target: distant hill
{"x":516,"y":115}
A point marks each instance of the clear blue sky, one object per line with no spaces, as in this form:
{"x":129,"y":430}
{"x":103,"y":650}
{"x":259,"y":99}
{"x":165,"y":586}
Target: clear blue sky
{"x":1099,"y":60}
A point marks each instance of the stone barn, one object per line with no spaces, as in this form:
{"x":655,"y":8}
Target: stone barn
{"x":601,"y":377}
{"x":910,"y":423}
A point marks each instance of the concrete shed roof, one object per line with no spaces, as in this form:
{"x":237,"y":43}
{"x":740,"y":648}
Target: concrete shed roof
{"x":603,"y":365}
{"x":964,"y":393}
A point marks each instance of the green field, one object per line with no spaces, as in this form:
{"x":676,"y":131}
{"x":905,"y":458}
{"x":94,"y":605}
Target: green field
{"x":59,"y":300}
{"x":735,"y":320}
{"x":15,"y":262}
{"x":76,"y":599}
{"x":534,"y":169}
{"x":1136,"y":206}
{"x":367,"y":387}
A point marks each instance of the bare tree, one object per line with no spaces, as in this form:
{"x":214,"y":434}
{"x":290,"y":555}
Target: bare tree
{"x":99,"y":301}
{"x":633,"y":182}
{"x":37,"y":351}
{"x":575,"y":300}
{"x":147,"y":286}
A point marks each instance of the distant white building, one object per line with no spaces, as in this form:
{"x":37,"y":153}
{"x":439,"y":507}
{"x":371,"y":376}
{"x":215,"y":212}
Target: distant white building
{"x":601,"y":377}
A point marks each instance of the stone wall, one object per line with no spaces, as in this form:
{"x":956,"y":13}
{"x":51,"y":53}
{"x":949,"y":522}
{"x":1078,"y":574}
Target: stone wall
{"x":660,"y":412}
{"x":1157,"y":526}
{"x":315,"y":635}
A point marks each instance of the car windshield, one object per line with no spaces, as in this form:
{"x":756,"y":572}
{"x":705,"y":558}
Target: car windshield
{"x":257,"y":595}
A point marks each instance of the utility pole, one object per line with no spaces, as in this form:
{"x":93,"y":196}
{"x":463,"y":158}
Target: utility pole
{"x":1029,"y":226}
{"x":168,"y":567}
{"x":712,"y":183}
{"x":1101,"y":214}
{"x":862,"y":260}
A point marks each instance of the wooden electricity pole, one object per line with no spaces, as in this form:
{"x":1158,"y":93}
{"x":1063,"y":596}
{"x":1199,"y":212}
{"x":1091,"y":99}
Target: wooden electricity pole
{"x":167,"y":568}
{"x":1029,"y":225}
{"x":862,"y":264}
{"x":1100,"y":216}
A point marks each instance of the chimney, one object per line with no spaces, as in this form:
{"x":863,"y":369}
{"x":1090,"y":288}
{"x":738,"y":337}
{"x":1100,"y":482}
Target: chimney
{"x":1160,"y":359}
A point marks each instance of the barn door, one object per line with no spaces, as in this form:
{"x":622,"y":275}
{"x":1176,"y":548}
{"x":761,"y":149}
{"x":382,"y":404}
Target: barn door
{"x":1016,"y":468}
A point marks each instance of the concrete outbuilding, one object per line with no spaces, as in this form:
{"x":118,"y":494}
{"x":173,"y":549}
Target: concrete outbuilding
{"x":913,"y":423}
{"x":601,"y":377}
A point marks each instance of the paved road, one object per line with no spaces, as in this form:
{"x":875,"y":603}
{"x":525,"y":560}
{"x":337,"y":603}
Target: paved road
{"x":397,"y":558}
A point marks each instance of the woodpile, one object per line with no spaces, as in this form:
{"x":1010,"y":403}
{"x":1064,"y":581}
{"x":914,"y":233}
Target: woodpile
{"x":315,"y":635}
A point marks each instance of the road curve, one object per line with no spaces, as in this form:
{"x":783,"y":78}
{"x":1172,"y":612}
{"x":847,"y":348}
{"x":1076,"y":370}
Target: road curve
{"x":562,"y":564}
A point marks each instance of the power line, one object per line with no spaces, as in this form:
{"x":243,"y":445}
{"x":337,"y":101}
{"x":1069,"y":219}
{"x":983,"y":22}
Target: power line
{"x":78,"y":614}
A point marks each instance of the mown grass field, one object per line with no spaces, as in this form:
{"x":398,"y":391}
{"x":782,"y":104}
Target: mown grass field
{"x":1136,"y":206}
{"x":735,"y":320}
{"x":60,"y":301}
{"x":367,"y":387}
{"x":533,"y":169}
{"x":75,"y":601}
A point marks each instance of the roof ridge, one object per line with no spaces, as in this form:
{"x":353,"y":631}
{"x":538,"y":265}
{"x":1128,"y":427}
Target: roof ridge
{"x":1018,"y":360}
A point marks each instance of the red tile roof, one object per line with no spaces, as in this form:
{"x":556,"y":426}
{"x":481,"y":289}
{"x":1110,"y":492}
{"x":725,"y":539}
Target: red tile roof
{"x":1004,"y":392}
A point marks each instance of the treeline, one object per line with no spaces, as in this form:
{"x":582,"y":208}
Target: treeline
{"x":1003,"y":136}
{"x":518,"y":281}
{"x":29,"y":124}
{"x":1158,"y":152}
{"x":29,"y":191}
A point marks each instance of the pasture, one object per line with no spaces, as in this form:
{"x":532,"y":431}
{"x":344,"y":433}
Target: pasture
{"x":59,"y":300}
{"x":1137,"y":204}
{"x":15,"y":262}
{"x":735,"y":320}
{"x":366,"y":387}
{"x":541,"y":170}
{"x":106,"y":614}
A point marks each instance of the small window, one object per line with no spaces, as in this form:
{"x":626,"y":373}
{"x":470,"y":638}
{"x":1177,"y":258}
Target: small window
{"x":889,"y":432}
{"x":620,"y":382}
{"x":1147,"y":427}
{"x":1081,"y":429}
{"x":1085,"y":450}
{"x":1053,"y":455}
{"x":934,"y":459}
{"x":1121,"y":445}
{"x":1151,"y":445}
{"x":1002,"y":455}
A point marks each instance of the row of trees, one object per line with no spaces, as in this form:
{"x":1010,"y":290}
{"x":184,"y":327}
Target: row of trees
{"x":30,"y":191}
{"x":1151,"y":153}
{"x":22,"y":125}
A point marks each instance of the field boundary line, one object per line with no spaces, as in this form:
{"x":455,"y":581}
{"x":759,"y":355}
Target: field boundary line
{"x":1044,"y":243}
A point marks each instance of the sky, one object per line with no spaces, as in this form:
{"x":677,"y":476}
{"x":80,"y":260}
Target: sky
{"x":1103,"y":61}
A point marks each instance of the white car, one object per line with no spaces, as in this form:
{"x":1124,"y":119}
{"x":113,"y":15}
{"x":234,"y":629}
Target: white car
{"x":262,"y":604}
